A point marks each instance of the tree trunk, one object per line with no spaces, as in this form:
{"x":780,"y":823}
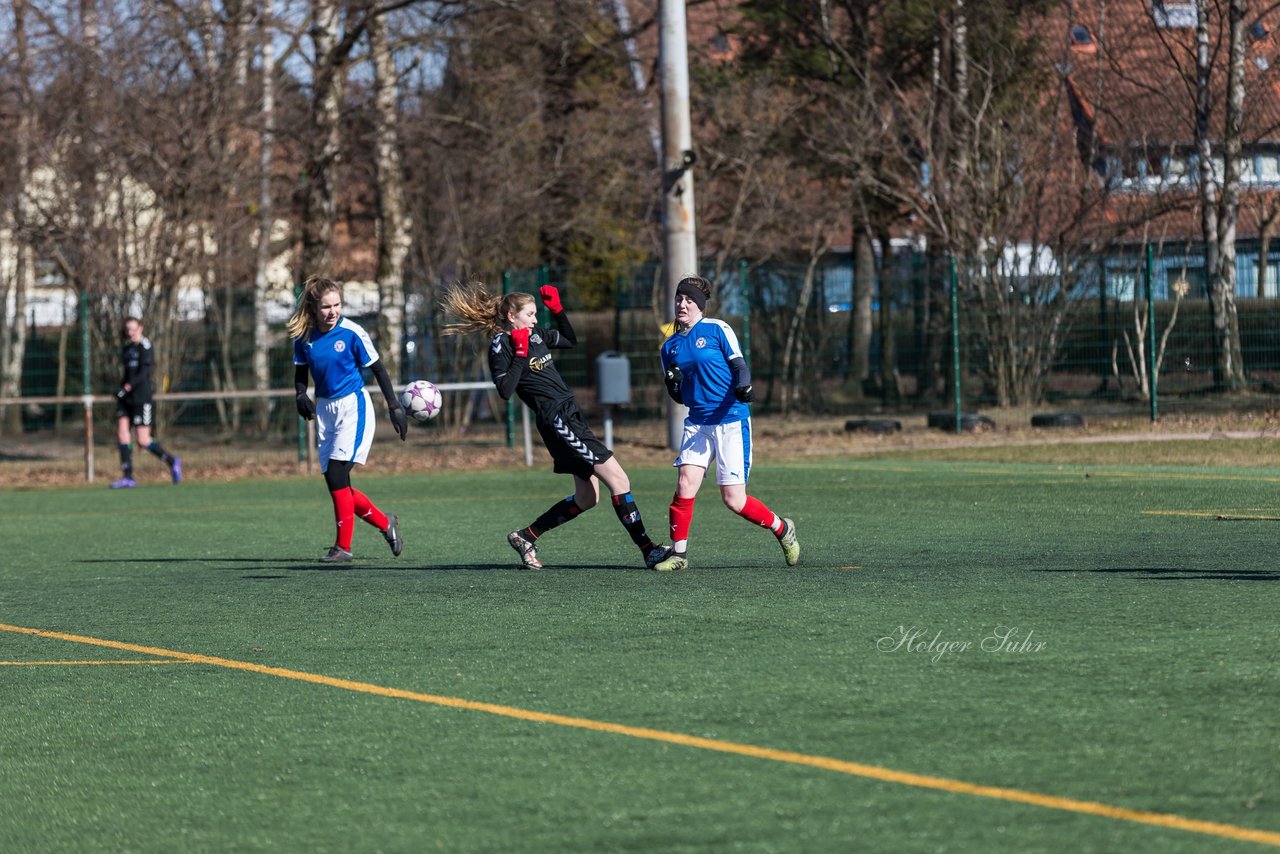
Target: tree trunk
{"x":860,"y":318}
{"x":791,"y":356}
{"x":323,"y":133}
{"x":266,"y":217}
{"x":1229,"y":369}
{"x":891,"y":381}
{"x":1266,"y":229}
{"x":1204,"y":153}
{"x":14,"y":342}
{"x":393,"y":218}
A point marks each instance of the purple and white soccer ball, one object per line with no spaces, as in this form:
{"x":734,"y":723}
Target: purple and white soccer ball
{"x":421,"y":400}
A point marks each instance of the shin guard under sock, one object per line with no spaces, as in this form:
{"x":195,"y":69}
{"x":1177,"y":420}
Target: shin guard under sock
{"x":681,"y":515}
{"x":755,"y":511}
{"x":160,"y":452}
{"x":344,"y":515}
{"x":365,"y":509}
{"x":629,"y":515}
{"x":562,"y":511}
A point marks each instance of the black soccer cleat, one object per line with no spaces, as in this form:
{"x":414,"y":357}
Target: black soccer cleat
{"x":337,"y":554}
{"x":392,"y":535}
{"x":656,"y":555}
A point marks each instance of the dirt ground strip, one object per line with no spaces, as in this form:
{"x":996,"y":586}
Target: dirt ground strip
{"x":29,"y":461}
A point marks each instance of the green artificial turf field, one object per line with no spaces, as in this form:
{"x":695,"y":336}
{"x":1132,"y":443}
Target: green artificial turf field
{"x":970,"y":657}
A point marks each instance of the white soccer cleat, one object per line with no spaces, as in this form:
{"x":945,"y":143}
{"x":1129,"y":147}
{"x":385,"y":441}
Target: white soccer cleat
{"x":673,"y":563}
{"x":527,"y":551}
{"x":790,"y":545}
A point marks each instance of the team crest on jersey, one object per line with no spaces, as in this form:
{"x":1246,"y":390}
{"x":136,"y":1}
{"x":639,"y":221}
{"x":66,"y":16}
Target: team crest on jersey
{"x":339,"y":346}
{"x":700,"y":343}
{"x":535,"y":338}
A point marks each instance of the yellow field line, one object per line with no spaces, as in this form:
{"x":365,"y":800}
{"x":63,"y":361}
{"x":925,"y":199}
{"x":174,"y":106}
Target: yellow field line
{"x":856,"y":769}
{"x":1040,"y":469}
{"x":1210,"y":514}
{"x":117,"y":661}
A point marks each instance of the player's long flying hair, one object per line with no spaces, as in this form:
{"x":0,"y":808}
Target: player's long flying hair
{"x":304,"y":316}
{"x":480,"y":311}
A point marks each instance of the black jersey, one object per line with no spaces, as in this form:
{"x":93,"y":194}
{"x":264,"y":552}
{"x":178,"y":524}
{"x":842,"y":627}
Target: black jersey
{"x":137,"y":368}
{"x":535,"y":378}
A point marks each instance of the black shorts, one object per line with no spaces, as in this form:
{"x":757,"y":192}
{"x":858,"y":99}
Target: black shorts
{"x":573,"y":447}
{"x":140,"y":412}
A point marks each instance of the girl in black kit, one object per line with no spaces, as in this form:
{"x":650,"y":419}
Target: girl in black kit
{"x":135,"y":408}
{"x":520,"y":363}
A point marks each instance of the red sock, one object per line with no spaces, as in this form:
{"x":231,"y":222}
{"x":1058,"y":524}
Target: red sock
{"x":344,"y":513}
{"x":368,"y":512}
{"x":755,"y":511}
{"x":681,"y":517}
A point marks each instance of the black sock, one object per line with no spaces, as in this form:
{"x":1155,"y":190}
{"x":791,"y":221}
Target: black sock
{"x":126,"y":460}
{"x":160,"y":452}
{"x":559,"y":513}
{"x":629,"y":515}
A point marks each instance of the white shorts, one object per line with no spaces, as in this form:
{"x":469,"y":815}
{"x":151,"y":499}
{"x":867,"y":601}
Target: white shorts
{"x":729,"y":445}
{"x":344,"y":428}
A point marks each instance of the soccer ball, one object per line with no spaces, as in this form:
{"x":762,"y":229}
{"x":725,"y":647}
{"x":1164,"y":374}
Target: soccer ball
{"x":421,"y":400}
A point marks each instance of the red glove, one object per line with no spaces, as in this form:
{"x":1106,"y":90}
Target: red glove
{"x":520,"y":340}
{"x":551,"y":298}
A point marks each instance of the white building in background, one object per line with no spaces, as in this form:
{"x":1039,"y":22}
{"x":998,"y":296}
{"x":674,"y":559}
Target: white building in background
{"x":51,"y":302}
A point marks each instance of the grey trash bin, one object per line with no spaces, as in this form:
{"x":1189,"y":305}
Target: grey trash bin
{"x":613,"y":386}
{"x":613,"y":378}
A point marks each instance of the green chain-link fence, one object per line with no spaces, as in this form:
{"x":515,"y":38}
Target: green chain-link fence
{"x":1028,"y":337}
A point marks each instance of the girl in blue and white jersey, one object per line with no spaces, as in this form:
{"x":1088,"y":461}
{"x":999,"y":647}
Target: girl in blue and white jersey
{"x":705,"y":371}
{"x":334,"y":349}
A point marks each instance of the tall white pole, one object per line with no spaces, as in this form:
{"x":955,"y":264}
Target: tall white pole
{"x":679,"y":242}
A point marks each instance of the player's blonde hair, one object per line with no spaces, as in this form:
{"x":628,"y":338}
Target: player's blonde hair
{"x":304,"y":316}
{"x":478,"y":310}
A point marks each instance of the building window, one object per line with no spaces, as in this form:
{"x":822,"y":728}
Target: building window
{"x":1082,"y":40}
{"x":1174,"y":14}
{"x":1267,"y":168}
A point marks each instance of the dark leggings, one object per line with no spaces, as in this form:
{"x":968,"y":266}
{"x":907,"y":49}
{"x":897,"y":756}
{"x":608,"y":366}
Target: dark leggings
{"x":338,"y":475}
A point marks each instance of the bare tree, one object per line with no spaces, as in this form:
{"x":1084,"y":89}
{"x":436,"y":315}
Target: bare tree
{"x":13,"y":344}
{"x":266,"y":208}
{"x":989,"y":170}
{"x":1229,"y":370}
{"x":394,"y":226}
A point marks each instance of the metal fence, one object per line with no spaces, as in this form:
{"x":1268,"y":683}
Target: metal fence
{"x":1126,"y":333}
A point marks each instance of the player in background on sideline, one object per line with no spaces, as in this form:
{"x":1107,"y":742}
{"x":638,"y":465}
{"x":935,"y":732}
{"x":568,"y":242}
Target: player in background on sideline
{"x":705,"y":371}
{"x":135,"y":407}
{"x":334,"y":349}
{"x":520,"y":363}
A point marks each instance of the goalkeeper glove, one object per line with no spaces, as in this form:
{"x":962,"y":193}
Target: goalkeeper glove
{"x":520,"y":341}
{"x":673,"y":379}
{"x":400,"y":421}
{"x":306,"y":408}
{"x":744,"y":393}
{"x":551,"y":298}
